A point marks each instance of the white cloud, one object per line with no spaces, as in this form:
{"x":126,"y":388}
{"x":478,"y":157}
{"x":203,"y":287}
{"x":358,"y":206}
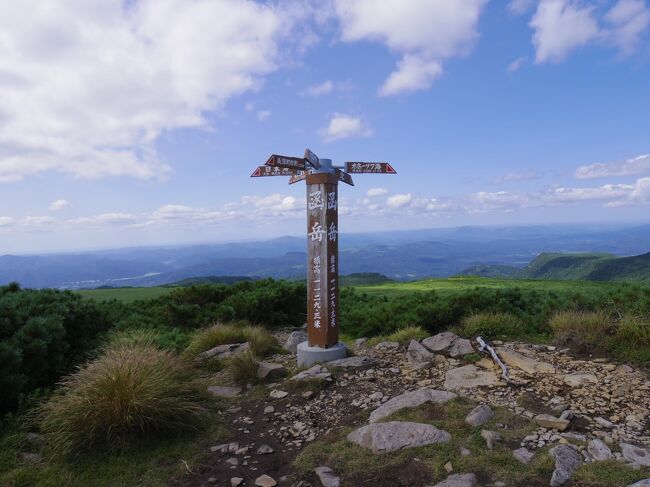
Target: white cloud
{"x":343,"y":126}
{"x":413,"y":73}
{"x":518,"y":176}
{"x":516,"y":65}
{"x":425,"y":32}
{"x":274,"y":202}
{"x":87,"y":87}
{"x":263,"y":115}
{"x":6,"y":221}
{"x":561,"y":26}
{"x":399,"y":200}
{"x":604,"y":192}
{"x":520,"y":7}
{"x":59,"y":205}
{"x":37,"y":221}
{"x":373,"y":192}
{"x":631,"y":167}
{"x":641,"y":190}
{"x":324,"y":88}
{"x":627,"y":20}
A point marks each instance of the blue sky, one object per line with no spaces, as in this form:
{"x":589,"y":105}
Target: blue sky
{"x":138,"y":123}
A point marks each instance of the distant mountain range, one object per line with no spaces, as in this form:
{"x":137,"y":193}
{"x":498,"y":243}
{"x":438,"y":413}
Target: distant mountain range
{"x":562,"y":266}
{"x":404,"y":255}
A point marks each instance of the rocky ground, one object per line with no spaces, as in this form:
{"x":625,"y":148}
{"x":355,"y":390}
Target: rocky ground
{"x":579,"y":411}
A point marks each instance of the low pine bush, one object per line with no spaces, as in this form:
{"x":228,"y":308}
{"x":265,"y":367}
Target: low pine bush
{"x":586,"y":332}
{"x":492,"y":325}
{"x":262,"y":342}
{"x":131,"y":390}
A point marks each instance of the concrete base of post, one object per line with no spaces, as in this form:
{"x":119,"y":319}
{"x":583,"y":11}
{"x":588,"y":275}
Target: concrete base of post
{"x":308,"y":356}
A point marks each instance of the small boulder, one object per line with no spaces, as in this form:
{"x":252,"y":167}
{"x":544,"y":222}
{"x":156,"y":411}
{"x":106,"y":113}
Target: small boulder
{"x":580,"y":380}
{"x":636,"y":454}
{"x":269,"y":372}
{"x":598,"y":450}
{"x":528,"y":365}
{"x":470,"y":376}
{"x":296,"y":337}
{"x":567,"y":461}
{"x":278,"y":394}
{"x":411,"y":400}
{"x":327,"y":477}
{"x":523,"y":455}
{"x":265,"y":481}
{"x":418,"y":356}
{"x":265,"y":450}
{"x":440,"y":342}
{"x":460,"y":347}
{"x":548,"y":421}
{"x":479,"y":415}
{"x":357,"y":363}
{"x":236,"y":481}
{"x":397,"y":435}
{"x":459,"y":480}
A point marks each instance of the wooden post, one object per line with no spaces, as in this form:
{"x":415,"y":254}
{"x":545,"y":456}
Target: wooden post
{"x":323,"y":260}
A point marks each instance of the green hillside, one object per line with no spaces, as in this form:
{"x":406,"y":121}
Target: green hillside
{"x":588,"y":267}
{"x":194,"y":281}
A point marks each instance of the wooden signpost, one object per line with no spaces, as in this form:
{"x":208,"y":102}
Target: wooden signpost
{"x":322,"y":233}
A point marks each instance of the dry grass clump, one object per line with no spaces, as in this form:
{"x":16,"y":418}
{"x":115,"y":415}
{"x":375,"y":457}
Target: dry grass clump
{"x":262,"y":342}
{"x":243,"y":369}
{"x":585,"y":331}
{"x":402,"y":336}
{"x":130,"y":391}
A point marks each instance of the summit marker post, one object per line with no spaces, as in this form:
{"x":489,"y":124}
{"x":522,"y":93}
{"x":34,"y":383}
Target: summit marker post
{"x":322,"y":180}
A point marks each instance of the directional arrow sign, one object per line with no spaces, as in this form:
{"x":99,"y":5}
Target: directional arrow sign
{"x":264,"y":171}
{"x":369,"y":168}
{"x":345,"y":177}
{"x":297,"y":177}
{"x":286,"y":162}
{"x":312,"y":158}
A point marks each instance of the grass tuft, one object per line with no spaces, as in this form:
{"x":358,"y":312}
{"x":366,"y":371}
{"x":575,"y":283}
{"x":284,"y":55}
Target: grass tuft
{"x":631,"y":340}
{"x":586,"y":332}
{"x":262,"y":342}
{"x":133,"y":390}
{"x":243,"y":369}
{"x":403,"y":336}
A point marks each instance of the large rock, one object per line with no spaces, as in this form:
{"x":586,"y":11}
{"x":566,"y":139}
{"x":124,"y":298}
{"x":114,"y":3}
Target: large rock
{"x":479,"y":415}
{"x":579,"y":380}
{"x":459,"y":480}
{"x":270,"y":372}
{"x":440,"y":342}
{"x":224,"y":391}
{"x":460,"y":347}
{"x":641,"y":483}
{"x":327,"y":477}
{"x":598,"y":450}
{"x":567,"y":461}
{"x":315,"y":372}
{"x":514,"y":359}
{"x":548,"y":421}
{"x":224,"y":351}
{"x":636,"y":454}
{"x":418,"y":356}
{"x":397,"y":435}
{"x":358,"y":363}
{"x":470,"y":376}
{"x":296,"y":337}
{"x":411,"y":400}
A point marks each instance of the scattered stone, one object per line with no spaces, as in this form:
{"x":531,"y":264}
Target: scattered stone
{"x":567,"y":461}
{"x":397,"y":435}
{"x":459,"y":480}
{"x":491,"y":438}
{"x":357,"y":363}
{"x":449,"y":468}
{"x":623,"y":370}
{"x":579,"y":380}
{"x":479,"y":415}
{"x":387,"y":346}
{"x":636,"y":454}
{"x":327,"y":477}
{"x":265,"y":450}
{"x":233,"y":461}
{"x":641,"y":483}
{"x":315,"y":372}
{"x":269,"y":410}
{"x":296,"y":337}
{"x":548,"y":421}
{"x":236,"y":481}
{"x":278,"y":394}
{"x":411,"y":400}
{"x":470,"y":376}
{"x":212,"y":480}
{"x":360,"y":341}
{"x":224,"y":391}
{"x":514,"y":359}
{"x":599,"y":451}
{"x":460,"y":347}
{"x":225,"y":448}
{"x":270,"y":372}
{"x":523,"y":455}
{"x":265,"y":481}
{"x":440,"y":342}
{"x":604,"y":423}
{"x":418,"y":356}
{"x":464,"y":452}
{"x":224,"y":351}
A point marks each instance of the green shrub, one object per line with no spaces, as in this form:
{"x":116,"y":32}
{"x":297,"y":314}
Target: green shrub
{"x":262,"y":342}
{"x":132,"y":390}
{"x":492,"y":325}
{"x":631,"y":340}
{"x":243,"y":369}
{"x":584,"y":331}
